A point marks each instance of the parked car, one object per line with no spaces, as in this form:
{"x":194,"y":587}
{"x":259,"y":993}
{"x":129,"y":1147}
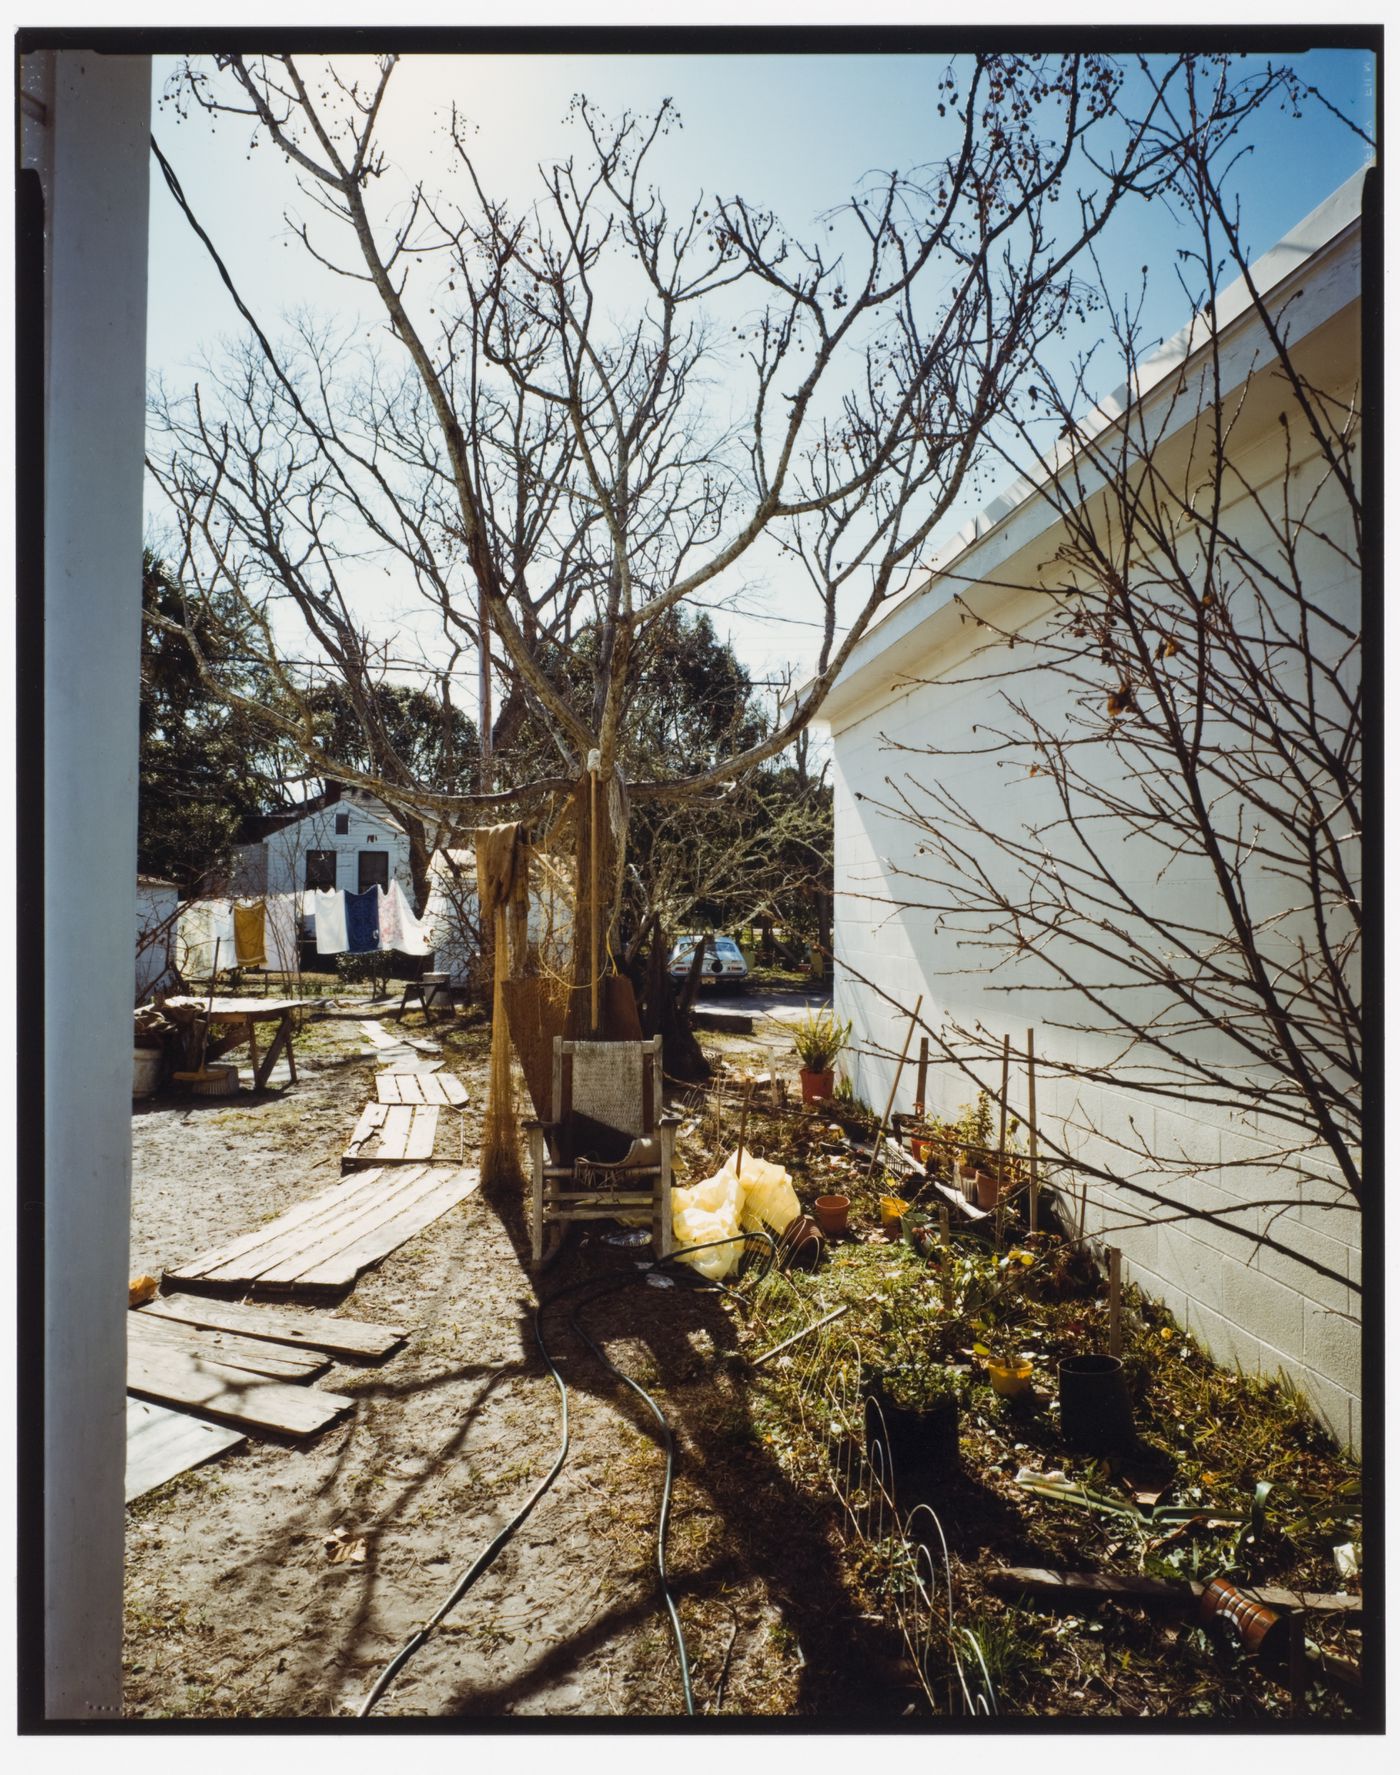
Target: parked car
{"x":724,"y":964}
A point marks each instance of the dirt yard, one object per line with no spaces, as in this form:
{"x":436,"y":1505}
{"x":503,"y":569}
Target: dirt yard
{"x":235,"y":1608}
{"x":238,"y":1608}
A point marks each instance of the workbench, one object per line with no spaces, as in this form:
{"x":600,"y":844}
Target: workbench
{"x":238,"y":1019}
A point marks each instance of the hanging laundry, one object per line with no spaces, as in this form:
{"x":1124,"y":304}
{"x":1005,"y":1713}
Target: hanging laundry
{"x":413,"y":936}
{"x":282,"y":931}
{"x":249,"y":944}
{"x":330,"y":921}
{"x":390,"y":924}
{"x":362,"y":921}
{"x":204,"y":939}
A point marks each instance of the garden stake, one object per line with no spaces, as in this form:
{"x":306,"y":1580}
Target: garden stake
{"x":1115,"y":1301}
{"x":806,"y":1329}
{"x":1000,"y":1222}
{"x":1031,"y":1143}
{"x":885,"y":1120}
{"x":946,"y":1273}
{"x":922,"y":1087}
{"x":743,"y":1126}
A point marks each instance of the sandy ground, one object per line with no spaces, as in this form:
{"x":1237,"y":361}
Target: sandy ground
{"x":234,"y":1608}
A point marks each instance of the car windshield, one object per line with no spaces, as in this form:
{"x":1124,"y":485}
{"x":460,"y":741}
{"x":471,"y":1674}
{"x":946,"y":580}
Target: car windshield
{"x":728,"y":948}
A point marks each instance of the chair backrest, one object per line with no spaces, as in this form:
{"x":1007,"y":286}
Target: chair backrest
{"x":606,"y":1094}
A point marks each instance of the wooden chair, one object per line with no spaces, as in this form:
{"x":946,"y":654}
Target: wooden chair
{"x":609,"y":1144}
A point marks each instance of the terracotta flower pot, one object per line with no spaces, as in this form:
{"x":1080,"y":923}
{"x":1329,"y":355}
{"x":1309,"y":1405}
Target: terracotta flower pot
{"x":816,"y":1085}
{"x":986,"y":1189}
{"x":831,"y":1212}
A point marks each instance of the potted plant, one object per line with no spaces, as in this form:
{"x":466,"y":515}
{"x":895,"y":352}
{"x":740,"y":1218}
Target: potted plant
{"x":819,"y":1037}
{"x":911,"y":1420}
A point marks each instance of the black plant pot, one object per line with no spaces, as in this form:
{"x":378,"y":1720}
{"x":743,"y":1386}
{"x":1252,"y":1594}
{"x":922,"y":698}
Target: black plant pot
{"x":1096,"y":1411}
{"x":909,"y":1448}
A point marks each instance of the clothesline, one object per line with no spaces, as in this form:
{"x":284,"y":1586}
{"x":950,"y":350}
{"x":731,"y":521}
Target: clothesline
{"x":266,"y":931}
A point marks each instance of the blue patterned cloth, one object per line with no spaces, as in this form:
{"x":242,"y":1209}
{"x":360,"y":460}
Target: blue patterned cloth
{"x":362,"y":921}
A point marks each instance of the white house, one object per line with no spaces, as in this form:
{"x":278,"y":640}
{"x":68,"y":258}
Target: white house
{"x":341,"y":838}
{"x":919,"y":678}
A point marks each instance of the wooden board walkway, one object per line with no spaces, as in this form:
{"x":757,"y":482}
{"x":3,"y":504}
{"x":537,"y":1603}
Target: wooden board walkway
{"x":392,"y":1134}
{"x":292,"y":1326}
{"x":230,"y":1395}
{"x":161,"y":1443}
{"x":274,"y":1361}
{"x":322,"y":1245}
{"x":412,"y":1087}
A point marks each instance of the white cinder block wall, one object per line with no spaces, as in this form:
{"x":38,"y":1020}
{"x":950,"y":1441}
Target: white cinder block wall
{"x":1267,"y":1310}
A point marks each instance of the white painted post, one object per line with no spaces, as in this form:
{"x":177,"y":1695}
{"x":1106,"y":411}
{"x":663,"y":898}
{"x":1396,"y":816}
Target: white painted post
{"x":88,"y":136}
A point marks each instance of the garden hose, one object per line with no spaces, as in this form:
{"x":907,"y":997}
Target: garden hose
{"x":488,"y":1554}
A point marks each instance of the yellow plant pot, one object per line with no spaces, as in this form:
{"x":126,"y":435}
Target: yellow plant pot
{"x":1009,"y":1379}
{"x":892,"y":1211}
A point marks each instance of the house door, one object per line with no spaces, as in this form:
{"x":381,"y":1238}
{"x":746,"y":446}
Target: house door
{"x":374,"y":870}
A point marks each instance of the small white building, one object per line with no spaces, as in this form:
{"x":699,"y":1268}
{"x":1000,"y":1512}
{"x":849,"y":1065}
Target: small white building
{"x":157,"y":909}
{"x":341,"y":838}
{"x":919,"y":678}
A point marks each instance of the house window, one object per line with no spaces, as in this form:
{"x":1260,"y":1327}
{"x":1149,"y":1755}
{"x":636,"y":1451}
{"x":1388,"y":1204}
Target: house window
{"x":320,"y":869}
{"x":342,"y":825}
{"x":374,"y":870}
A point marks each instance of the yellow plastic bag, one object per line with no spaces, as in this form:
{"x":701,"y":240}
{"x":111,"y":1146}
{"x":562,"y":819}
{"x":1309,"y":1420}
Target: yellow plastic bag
{"x":723,"y":1206}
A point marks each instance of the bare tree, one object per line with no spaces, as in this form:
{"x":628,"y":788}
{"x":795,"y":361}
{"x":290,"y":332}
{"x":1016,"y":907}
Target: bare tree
{"x":1185,"y":684}
{"x":535,"y":467}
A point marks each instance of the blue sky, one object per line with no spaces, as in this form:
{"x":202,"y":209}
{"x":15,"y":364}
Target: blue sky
{"x":794,"y":132}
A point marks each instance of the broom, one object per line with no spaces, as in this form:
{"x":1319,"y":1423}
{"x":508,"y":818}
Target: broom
{"x":207,"y":1083}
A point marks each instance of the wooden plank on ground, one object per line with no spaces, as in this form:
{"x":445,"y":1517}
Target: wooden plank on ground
{"x":282,"y":1362}
{"x":431,"y":1087}
{"x":306,"y":1216}
{"x":295,"y":1325}
{"x":231,"y":1395}
{"x":161,"y":1443}
{"x":453,"y":1088}
{"x":408,"y":1063}
{"x":387,"y":1085}
{"x":398,"y":1119}
{"x":394,"y":1191}
{"x":457,"y":1184}
{"x":377,"y":1033}
{"x":354,"y":1224}
{"x":346,"y":1205}
{"x":422,"y":1135}
{"x":410,"y":1089}
{"x":368,"y":1128}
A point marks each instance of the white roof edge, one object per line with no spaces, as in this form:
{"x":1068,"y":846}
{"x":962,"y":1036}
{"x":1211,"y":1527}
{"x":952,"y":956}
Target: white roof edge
{"x":1317,"y":230}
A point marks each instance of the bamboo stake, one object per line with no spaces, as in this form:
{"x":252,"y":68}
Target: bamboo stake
{"x":1031,"y":1140}
{"x":1001,"y":1138}
{"x":806,"y":1331}
{"x":945,"y":1273}
{"x":743,"y":1127}
{"x":889,"y":1107}
{"x":1115,"y":1301}
{"x":920,"y":1093}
